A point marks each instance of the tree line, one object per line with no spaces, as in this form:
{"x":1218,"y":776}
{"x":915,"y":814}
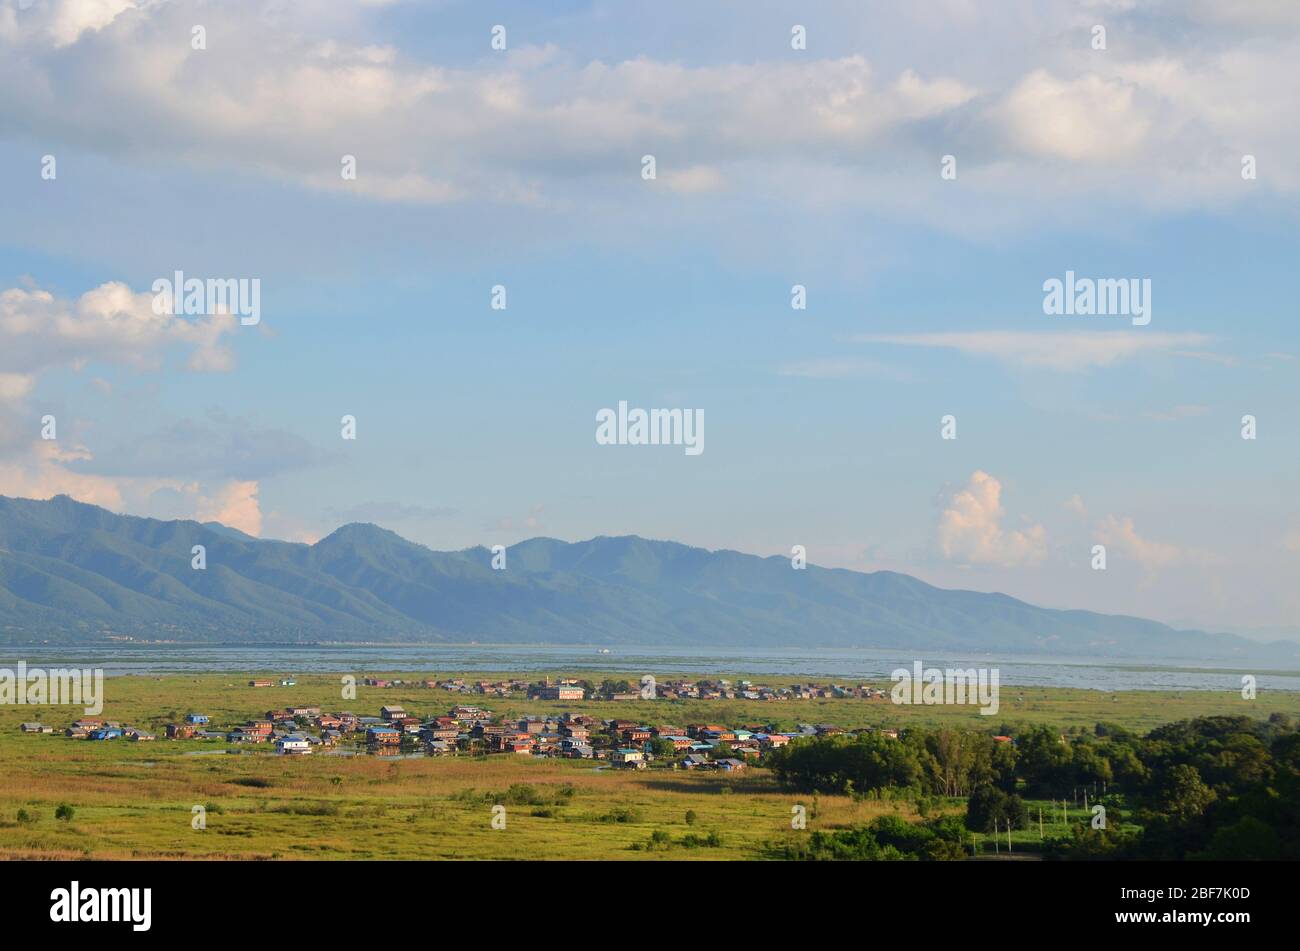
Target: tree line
{"x":1213,"y":787}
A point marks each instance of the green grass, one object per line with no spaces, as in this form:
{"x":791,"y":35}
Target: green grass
{"x":134,"y":800}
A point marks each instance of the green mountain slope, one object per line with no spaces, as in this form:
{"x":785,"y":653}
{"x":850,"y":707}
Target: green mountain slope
{"x":76,"y":573}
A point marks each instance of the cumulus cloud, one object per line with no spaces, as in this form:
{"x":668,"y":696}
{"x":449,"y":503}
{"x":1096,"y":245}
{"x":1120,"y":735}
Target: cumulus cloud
{"x":1182,"y":92}
{"x":971,"y":529}
{"x":42,"y":473}
{"x":59,"y":23}
{"x":269,"y":98}
{"x":112,"y":325}
{"x":109,"y":324}
{"x":1083,"y":119}
{"x":234,"y":504}
{"x":50,"y":468}
{"x":1120,"y":534}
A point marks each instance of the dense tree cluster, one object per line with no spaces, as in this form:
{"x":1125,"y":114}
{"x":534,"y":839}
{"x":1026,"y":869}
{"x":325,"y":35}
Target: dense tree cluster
{"x":887,"y":838}
{"x":1214,"y":787}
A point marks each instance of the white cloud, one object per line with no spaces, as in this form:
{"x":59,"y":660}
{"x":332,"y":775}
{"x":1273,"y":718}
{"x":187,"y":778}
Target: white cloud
{"x":696,"y":178}
{"x":971,"y":531}
{"x":1069,"y":351}
{"x":234,"y":504}
{"x":268,"y":99}
{"x":1084,"y":119}
{"x":60,"y":23}
{"x":281,"y":90}
{"x":110,"y":324}
{"x":15,"y":386}
{"x":41,"y":473}
{"x":1120,"y":534}
{"x":44,"y":471}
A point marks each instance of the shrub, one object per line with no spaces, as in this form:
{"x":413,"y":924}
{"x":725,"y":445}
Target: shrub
{"x":710,"y":841}
{"x":622,"y":814}
{"x":255,"y":782}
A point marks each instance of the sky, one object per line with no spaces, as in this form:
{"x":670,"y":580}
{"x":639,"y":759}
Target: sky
{"x":920,"y":169}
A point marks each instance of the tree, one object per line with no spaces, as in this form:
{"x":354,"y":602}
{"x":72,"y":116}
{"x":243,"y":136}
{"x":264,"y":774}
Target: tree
{"x":990,"y":809}
{"x":1184,"y":796}
{"x":1249,"y":839}
{"x":1090,"y":766}
{"x":661,"y":748}
{"x":64,"y":812}
{"x":1046,"y":762}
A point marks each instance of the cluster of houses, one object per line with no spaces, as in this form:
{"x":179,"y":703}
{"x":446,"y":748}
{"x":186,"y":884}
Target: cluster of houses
{"x":623,"y":743}
{"x":94,"y":728}
{"x":485,"y":688}
{"x":286,"y":728}
{"x":747,"y":690}
{"x":629,"y":744}
{"x":300,"y":730}
{"x":573,"y":689}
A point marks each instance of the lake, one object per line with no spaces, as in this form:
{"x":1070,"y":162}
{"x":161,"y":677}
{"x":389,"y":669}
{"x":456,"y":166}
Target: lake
{"x":843,"y":664}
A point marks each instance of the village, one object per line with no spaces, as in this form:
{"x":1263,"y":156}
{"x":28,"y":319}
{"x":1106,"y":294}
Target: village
{"x":472,"y":729}
{"x":573,"y":688}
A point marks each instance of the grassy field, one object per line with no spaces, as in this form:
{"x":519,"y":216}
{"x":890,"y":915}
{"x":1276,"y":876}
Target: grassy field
{"x":135,"y":800}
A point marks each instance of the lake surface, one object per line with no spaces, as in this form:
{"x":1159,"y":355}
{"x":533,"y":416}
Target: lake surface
{"x":776,"y":664}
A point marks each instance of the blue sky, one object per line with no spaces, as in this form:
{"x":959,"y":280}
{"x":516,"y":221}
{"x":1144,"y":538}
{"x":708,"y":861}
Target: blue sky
{"x":776,"y":167}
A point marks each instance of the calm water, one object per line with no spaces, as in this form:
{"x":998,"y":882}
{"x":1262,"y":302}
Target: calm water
{"x":839,"y":664}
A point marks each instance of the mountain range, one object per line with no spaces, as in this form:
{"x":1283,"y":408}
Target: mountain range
{"x":72,"y":573}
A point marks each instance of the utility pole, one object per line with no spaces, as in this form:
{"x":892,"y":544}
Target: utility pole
{"x":1040,"y":822}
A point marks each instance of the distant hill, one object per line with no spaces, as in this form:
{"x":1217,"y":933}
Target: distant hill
{"x":77,"y":574}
